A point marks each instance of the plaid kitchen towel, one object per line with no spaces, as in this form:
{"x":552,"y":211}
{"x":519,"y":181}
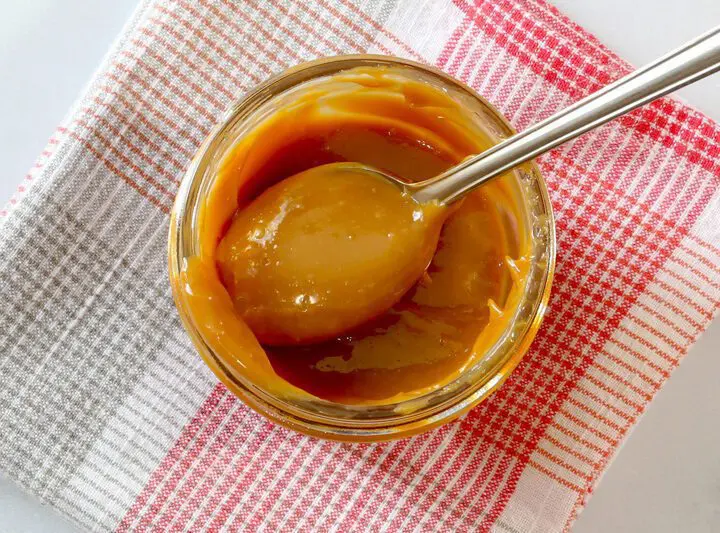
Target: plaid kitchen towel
{"x":107,"y":413}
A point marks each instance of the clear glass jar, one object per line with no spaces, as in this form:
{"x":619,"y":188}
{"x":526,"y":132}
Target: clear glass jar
{"x":337,"y":421}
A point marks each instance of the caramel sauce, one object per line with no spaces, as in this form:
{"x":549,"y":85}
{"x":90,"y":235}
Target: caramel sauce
{"x":435,"y":326}
{"x":324,"y":251}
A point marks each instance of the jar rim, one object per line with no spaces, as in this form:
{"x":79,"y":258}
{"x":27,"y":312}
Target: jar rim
{"x":308,"y":422}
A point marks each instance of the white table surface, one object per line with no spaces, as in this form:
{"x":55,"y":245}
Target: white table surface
{"x":666,"y":477}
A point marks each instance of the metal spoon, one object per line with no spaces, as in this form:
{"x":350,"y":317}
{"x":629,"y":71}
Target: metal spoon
{"x":352,"y":293}
{"x":689,"y":63}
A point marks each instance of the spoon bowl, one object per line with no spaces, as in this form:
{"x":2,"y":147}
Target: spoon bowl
{"x":324,"y":251}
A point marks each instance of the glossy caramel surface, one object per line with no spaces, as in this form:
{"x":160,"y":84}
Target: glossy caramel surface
{"x":325,"y":251}
{"x":441,"y":324}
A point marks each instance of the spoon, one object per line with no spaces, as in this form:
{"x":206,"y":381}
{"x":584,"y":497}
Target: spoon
{"x":309,"y":260}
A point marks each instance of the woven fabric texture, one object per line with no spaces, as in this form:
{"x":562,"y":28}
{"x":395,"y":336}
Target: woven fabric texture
{"x":107,"y":413}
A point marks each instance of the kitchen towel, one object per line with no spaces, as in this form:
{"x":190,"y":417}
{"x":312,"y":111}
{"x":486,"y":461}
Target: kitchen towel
{"x":107,"y":413}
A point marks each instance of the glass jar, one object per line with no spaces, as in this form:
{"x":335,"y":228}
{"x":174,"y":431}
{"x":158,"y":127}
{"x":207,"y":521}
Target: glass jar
{"x":337,"y":421}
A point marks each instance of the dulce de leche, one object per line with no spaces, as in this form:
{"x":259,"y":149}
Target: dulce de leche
{"x":409,"y":336}
{"x":325,"y":251}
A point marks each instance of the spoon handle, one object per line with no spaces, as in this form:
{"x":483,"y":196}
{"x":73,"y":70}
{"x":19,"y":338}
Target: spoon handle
{"x":687,"y":64}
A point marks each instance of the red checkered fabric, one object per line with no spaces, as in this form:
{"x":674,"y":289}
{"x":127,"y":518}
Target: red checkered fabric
{"x":108,"y":414}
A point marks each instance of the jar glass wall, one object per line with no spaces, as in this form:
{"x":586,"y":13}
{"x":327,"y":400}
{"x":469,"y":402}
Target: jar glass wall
{"x":392,"y":419}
